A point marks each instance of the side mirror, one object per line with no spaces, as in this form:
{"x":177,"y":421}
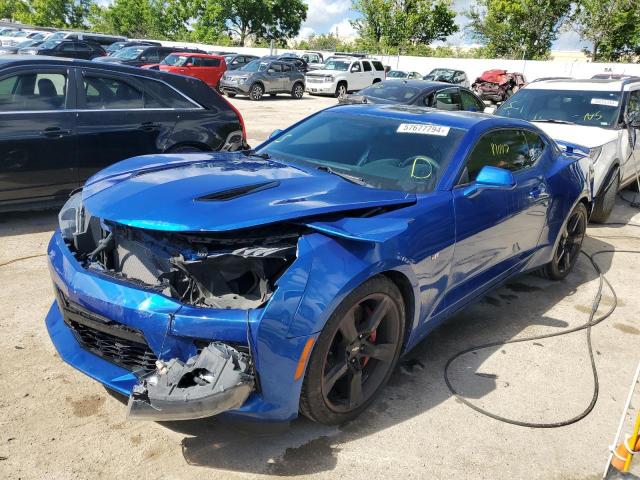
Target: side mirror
{"x":189,"y":64}
{"x":275,"y":133}
{"x":490,"y":110}
{"x":493,"y":178}
{"x":271,"y":70}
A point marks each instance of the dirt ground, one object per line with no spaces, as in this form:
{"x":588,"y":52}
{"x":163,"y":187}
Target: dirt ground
{"x":56,"y":423}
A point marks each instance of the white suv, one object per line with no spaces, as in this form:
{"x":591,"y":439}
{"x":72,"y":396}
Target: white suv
{"x":603,"y":115}
{"x":340,"y":75}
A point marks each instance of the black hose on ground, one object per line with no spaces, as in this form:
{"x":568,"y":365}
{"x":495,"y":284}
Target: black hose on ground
{"x":593,"y":320}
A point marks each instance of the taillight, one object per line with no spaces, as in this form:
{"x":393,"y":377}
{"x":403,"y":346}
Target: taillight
{"x":244,"y":130}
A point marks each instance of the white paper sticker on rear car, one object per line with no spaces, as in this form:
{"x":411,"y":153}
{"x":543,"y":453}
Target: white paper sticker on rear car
{"x":604,"y":101}
{"x":423,"y":129}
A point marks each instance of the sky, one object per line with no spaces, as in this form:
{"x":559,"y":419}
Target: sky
{"x":325,"y":16}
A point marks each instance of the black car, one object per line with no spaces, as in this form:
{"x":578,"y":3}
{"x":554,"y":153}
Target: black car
{"x":83,"y":50}
{"x":116,"y":46}
{"x":442,"y":96}
{"x":6,"y":50}
{"x":61,"y":120}
{"x":140,"y":55}
{"x":238,"y":60}
{"x":448,"y":75}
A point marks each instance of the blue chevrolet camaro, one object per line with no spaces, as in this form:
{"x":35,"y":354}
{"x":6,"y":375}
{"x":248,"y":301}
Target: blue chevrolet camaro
{"x":290,"y":278}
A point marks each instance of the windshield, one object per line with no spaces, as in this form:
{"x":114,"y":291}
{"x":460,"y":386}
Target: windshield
{"x":28,"y":43}
{"x":57,"y":36}
{"x":395,"y":91}
{"x":340,"y":65}
{"x":255,"y":66}
{"x":175,"y":60}
{"x":397,"y":74}
{"x":581,"y":107}
{"x":385,"y":153}
{"x":50,"y":43}
{"x":115,"y":46}
{"x":129,"y":53}
{"x":440,"y":73}
{"x":19,"y":34}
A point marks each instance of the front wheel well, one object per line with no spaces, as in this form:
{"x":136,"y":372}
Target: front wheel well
{"x":404,"y":285}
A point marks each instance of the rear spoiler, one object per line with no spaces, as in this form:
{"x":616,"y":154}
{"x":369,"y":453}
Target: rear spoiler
{"x":573,"y":148}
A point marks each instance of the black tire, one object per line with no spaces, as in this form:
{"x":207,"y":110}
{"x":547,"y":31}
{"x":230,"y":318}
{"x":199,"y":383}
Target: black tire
{"x":569,"y":245}
{"x":230,"y":94}
{"x":297,"y":91}
{"x":185,"y":149}
{"x":341,"y":90}
{"x":341,"y":380}
{"x":606,"y":200}
{"x":376,"y":80}
{"x":256,"y":92}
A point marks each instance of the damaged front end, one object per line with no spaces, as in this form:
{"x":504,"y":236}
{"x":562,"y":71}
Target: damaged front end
{"x":218,"y":379}
{"x":214,"y":271}
{"x":224,"y":271}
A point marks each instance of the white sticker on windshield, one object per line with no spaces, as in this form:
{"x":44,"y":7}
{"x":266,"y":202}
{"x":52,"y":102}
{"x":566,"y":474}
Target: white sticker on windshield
{"x":423,"y":129}
{"x":604,"y":101}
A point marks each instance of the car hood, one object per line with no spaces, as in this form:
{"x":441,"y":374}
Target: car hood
{"x":322,"y":71}
{"x":221,"y":192}
{"x":238,"y":73}
{"x":357,"y":99}
{"x":580,"y":134}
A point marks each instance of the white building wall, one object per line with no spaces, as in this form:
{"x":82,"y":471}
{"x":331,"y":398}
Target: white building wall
{"x":532,"y":69}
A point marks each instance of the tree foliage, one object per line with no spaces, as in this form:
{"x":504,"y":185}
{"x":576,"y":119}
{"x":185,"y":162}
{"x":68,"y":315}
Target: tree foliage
{"x":516,"y":29}
{"x":398,"y":23}
{"x":611,"y":26}
{"x":13,"y":9}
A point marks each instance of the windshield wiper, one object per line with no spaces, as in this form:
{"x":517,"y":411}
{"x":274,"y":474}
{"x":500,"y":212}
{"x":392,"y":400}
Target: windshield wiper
{"x":252,"y":153}
{"x":345,"y":176}
{"x":551,"y":120}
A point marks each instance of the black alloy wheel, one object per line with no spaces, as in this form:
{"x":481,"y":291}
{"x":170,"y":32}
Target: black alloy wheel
{"x":569,"y":245}
{"x":355,"y":354}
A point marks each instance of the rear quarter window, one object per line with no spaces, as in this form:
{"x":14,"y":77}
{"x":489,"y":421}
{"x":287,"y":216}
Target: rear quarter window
{"x":378,"y":66}
{"x":160,"y":95}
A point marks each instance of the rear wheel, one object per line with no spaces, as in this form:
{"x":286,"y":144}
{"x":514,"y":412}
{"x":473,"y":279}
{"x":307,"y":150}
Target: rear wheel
{"x":297,"y":91}
{"x":355,"y":354}
{"x":230,"y":94}
{"x":185,"y":149}
{"x":569,"y":245}
{"x":607,"y":199}
{"x":256,"y":92}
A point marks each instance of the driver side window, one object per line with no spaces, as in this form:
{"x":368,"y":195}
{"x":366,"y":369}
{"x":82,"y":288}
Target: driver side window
{"x":506,"y":149}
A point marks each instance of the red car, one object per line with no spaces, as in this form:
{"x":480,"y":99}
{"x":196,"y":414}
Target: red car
{"x":498,"y":85}
{"x":208,"y":68}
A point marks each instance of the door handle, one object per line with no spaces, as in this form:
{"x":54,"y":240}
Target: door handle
{"x":54,"y":132}
{"x":149,"y":126}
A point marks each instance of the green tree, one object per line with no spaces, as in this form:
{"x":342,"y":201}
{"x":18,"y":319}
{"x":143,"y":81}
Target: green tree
{"x":209,"y":26}
{"x":612,"y":27}
{"x":266,"y":19}
{"x":403,"y":23}
{"x":131,"y":18}
{"x":514,"y":29}
{"x":13,"y":9}
{"x":56,"y":13}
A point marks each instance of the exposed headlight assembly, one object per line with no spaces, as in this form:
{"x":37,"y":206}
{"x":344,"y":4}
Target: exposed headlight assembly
{"x":594,"y":154}
{"x":328,"y":78}
{"x":71,"y":217}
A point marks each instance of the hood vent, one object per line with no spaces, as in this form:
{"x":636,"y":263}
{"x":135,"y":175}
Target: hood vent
{"x":236,"y":192}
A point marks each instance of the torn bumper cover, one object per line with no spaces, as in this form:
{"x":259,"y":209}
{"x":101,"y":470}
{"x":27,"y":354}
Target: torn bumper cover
{"x":219,"y":378}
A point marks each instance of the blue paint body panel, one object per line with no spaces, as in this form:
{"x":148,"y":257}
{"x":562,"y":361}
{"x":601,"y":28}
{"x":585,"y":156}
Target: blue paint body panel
{"x":450,"y":246}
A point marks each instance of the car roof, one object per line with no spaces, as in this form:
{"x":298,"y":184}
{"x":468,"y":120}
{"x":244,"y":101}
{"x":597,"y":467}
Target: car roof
{"x":419,"y":83}
{"x":199,"y":55}
{"x":410,"y":113}
{"x":596,"y":84}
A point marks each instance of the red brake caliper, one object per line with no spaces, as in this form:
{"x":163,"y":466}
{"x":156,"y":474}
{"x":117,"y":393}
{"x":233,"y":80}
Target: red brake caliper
{"x":372,"y":337}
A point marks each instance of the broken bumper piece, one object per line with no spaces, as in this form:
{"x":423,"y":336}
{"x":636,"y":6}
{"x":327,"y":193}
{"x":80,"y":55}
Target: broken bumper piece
{"x":216,"y":380}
